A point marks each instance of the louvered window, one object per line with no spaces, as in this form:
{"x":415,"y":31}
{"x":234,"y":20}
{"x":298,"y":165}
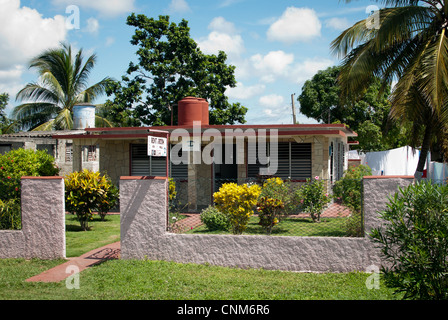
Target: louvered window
{"x":144,"y":165}
{"x":294,"y":161}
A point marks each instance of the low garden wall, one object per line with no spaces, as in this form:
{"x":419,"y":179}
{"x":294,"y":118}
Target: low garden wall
{"x":143,"y":207}
{"x":43,"y":221}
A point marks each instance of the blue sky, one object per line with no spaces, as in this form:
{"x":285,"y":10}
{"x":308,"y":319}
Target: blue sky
{"x":275,"y":45}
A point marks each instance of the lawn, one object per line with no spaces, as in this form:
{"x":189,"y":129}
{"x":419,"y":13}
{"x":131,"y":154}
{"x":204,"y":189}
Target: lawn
{"x":159,"y":280}
{"x":300,"y":227}
{"x":100,"y":234}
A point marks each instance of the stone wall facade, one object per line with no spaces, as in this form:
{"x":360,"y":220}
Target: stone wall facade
{"x":143,"y":235}
{"x":43,"y":221}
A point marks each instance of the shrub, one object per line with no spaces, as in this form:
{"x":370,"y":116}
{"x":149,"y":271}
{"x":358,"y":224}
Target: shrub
{"x":270,"y":211}
{"x":276,"y":188}
{"x":18,"y":163}
{"x":109,"y":199}
{"x":313,"y":198}
{"x":349,"y":189}
{"x":10,"y":215}
{"x":87,"y":191}
{"x":414,"y":241}
{"x":214,"y":219}
{"x":238,"y":203}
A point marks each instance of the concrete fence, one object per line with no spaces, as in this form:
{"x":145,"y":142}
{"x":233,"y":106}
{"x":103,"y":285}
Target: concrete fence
{"x":143,"y":207}
{"x":43,"y":221}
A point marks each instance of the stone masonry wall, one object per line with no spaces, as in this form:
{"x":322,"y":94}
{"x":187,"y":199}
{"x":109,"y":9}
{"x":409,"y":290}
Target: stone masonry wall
{"x":43,"y":221}
{"x":143,"y":235}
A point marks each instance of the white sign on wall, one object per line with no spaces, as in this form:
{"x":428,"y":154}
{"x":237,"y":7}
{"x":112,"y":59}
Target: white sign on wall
{"x":157,"y":146}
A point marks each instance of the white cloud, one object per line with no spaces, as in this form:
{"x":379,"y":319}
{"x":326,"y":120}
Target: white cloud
{"x":179,"y":6}
{"x":303,"y":71}
{"x":223,"y":37}
{"x":272,"y":100}
{"x":241,"y":92}
{"x":92,"y":26}
{"x":272,"y":65}
{"x":339,"y":24}
{"x":108,"y":8}
{"x":222,"y":25}
{"x":295,"y":25}
{"x":24,"y":33}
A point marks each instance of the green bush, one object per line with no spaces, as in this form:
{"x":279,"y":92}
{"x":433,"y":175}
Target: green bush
{"x":414,"y":241}
{"x":18,"y":163}
{"x":10,"y":215}
{"x":214,"y":219}
{"x":87,"y":191}
{"x":313,"y":198}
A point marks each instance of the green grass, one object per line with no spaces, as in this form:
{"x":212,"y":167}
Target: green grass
{"x":158,"y":280}
{"x":301,"y":227}
{"x":100,"y":234}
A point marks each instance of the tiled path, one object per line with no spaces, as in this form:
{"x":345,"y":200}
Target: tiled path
{"x":61,"y":272}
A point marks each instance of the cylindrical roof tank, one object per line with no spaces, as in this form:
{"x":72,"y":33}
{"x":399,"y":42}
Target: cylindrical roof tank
{"x":83,"y":116}
{"x":189,"y":110}
{"x":205,"y":114}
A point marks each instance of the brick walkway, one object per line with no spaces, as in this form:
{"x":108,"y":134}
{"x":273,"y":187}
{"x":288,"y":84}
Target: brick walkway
{"x":62,"y":271}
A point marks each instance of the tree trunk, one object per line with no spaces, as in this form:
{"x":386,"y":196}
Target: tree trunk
{"x":424,"y":152}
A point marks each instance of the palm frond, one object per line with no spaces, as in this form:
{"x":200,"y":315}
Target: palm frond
{"x":47,"y":126}
{"x":101,"y":122}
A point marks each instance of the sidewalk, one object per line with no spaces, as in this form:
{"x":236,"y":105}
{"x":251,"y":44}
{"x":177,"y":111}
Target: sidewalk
{"x":60,"y":272}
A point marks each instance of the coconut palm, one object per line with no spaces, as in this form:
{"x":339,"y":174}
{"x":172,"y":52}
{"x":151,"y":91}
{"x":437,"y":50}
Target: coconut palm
{"x":48,"y":103}
{"x":408,"y":44}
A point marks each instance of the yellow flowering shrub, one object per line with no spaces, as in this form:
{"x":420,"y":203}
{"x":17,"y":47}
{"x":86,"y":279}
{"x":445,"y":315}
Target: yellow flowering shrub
{"x":237,"y":202}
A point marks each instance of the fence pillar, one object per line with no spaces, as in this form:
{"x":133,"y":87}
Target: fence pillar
{"x":43,"y":221}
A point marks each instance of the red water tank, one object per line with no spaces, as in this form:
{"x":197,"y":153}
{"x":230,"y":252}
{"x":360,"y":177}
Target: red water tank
{"x":190,"y":109}
{"x":205,"y":114}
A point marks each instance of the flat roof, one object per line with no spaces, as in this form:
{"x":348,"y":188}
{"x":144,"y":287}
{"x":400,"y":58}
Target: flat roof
{"x":239,"y":130}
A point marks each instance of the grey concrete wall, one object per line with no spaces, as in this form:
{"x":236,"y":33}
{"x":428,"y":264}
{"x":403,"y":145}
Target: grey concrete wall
{"x":143,"y":235}
{"x":43,"y":221}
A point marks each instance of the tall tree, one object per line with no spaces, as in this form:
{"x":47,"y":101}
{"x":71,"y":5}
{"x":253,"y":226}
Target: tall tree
{"x":408,"y":42}
{"x":320,"y":100}
{"x":63,"y":82}
{"x":170,"y":67}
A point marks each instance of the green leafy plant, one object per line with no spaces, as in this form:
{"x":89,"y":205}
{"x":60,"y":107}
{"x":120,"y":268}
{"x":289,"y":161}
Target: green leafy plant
{"x":277,"y":188}
{"x":87,"y":191}
{"x":215,"y":219}
{"x":20,"y":162}
{"x":348,"y":192}
{"x":238,"y":203}
{"x":10,"y":215}
{"x":109,"y":199}
{"x":313,"y":197}
{"x":414,"y":241}
{"x":270,"y":212}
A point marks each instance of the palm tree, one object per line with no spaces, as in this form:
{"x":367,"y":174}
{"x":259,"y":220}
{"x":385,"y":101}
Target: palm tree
{"x":62,"y":84}
{"x":410,"y":46}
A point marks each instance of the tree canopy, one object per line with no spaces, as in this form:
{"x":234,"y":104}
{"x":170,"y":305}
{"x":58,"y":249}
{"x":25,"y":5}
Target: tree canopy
{"x":63,"y":82}
{"x":368,"y":116}
{"x":407,"y":43}
{"x":170,"y":67}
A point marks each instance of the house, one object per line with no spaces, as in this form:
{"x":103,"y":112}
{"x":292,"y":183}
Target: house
{"x":60,"y":149}
{"x":201,"y":156}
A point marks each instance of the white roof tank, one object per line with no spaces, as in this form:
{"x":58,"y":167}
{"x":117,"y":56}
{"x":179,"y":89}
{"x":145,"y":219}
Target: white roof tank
{"x":83,"y":116}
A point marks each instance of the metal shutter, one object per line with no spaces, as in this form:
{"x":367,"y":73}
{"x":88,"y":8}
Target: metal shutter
{"x":139,"y":160}
{"x":300,"y":161}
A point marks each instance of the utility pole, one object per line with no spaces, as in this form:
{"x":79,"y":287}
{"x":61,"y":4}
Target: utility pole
{"x":294,"y":119}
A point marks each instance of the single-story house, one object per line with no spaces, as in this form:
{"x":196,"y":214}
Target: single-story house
{"x":202,"y":156}
{"x":60,"y":149}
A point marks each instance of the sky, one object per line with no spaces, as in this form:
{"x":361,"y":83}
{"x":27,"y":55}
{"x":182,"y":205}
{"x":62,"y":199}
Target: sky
{"x":275,"y":45}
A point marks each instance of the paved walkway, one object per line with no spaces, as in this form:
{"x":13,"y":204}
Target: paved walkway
{"x":61,"y":272}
